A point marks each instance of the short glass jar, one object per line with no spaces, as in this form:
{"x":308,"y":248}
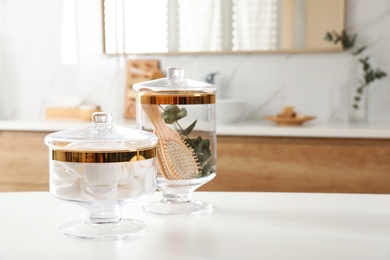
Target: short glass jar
{"x":181,"y":112}
{"x":102,"y":167}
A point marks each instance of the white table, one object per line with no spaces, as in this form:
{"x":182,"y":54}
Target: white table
{"x":242,"y":226}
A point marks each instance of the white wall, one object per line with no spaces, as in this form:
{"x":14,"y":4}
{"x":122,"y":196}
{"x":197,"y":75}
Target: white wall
{"x":36,"y":65}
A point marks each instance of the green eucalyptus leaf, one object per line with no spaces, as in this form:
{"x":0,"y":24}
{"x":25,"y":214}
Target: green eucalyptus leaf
{"x":193,"y":142}
{"x":170,"y":114}
{"x":360,"y":50}
{"x":190,"y":142}
{"x":172,"y":109}
{"x":181,"y":114}
{"x":366,"y":67}
{"x":207,"y":168}
{"x":202,"y":144}
{"x":169,"y":120}
{"x":206,"y":153}
{"x":352,"y":41}
{"x":369,"y":77}
{"x":380,"y":74}
{"x":198,"y":141}
{"x":328,"y":37}
{"x":188,"y":130}
{"x":203,"y":150}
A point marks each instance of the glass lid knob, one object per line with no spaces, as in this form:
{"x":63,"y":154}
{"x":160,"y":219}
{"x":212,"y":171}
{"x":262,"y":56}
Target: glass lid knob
{"x":175,"y":73}
{"x":99,"y":118}
{"x":101,"y":123}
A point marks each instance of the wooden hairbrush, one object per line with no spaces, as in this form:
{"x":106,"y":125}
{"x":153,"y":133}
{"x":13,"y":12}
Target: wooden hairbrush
{"x":176,"y":159}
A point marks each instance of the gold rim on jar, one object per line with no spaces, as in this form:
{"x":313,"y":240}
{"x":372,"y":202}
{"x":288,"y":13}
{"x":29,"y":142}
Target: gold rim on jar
{"x":102,"y":156}
{"x":178,"y":99}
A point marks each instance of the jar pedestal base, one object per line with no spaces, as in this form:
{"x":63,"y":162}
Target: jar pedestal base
{"x":193,"y":207}
{"x":177,"y":197}
{"x":123,"y":228}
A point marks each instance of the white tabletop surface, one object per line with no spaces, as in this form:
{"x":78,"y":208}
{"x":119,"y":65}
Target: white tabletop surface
{"x":242,"y":226}
{"x":246,"y":128}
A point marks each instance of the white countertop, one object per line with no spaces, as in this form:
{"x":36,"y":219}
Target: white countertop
{"x":242,"y":226}
{"x":335,"y":130}
{"x":251,"y":128}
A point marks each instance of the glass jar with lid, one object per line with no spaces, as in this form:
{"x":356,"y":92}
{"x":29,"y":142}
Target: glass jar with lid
{"x":102,"y":167}
{"x":181,"y":112}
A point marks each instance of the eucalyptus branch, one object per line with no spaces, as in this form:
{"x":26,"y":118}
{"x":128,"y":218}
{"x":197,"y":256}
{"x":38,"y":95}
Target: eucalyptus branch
{"x":369,"y":74}
{"x":175,"y":120}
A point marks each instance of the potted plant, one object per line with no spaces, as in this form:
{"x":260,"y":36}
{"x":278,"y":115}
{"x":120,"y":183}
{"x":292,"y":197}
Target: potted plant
{"x":359,"y":108}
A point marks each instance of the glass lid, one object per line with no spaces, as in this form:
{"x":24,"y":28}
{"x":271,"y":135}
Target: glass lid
{"x":174,"y":81}
{"x":102,"y":134}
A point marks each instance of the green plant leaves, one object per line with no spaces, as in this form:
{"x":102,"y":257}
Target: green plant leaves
{"x":201,"y":148}
{"x":173,"y":113}
{"x":380,"y":74}
{"x":189,"y":129}
{"x":202,"y":151}
{"x":347,"y":41}
{"x":360,"y":50}
{"x":369,"y":74}
{"x":207,"y":168}
{"x":328,"y":37}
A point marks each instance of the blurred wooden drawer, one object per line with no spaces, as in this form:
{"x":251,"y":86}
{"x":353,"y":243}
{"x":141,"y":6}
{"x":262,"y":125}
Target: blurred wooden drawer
{"x":24,"y":164}
{"x":302,"y":165}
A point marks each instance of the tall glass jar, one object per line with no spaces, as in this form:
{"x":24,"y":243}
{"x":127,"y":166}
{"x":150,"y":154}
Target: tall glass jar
{"x":181,"y":112}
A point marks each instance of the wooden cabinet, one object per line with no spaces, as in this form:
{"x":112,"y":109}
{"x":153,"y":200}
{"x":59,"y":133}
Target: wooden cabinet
{"x":244,"y":164}
{"x":302,"y":165}
{"x":24,"y":163}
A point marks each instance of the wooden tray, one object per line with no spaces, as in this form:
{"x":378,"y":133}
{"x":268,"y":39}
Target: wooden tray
{"x":297,"y":121}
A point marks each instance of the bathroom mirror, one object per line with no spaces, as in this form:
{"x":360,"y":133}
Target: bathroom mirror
{"x":220,"y":26}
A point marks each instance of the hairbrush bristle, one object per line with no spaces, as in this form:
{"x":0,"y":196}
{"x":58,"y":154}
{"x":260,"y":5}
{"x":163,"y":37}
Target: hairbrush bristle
{"x":182,"y":160}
